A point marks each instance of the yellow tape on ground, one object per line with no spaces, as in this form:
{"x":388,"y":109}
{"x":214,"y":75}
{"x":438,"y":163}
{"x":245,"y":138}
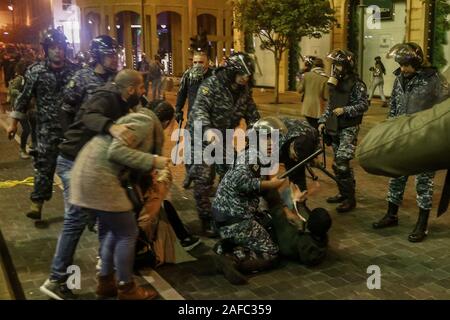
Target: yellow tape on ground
{"x":12,"y":183}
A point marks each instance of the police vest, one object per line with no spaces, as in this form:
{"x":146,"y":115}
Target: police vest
{"x":340,"y":97}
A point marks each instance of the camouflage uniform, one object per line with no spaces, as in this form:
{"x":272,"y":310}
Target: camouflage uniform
{"x":235,"y":210}
{"x":421,"y":92}
{"x":188,"y":90}
{"x":344,"y":142}
{"x":216,"y":107}
{"x":46,"y":85}
{"x":297,"y":128}
{"x":79,"y":89}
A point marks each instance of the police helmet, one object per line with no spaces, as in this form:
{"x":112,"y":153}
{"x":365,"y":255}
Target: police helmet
{"x":344,"y":58}
{"x":240,"y":63}
{"x":409,"y":53}
{"x":52,"y":37}
{"x":309,"y":61}
{"x":101,"y":46}
{"x":270,"y":124}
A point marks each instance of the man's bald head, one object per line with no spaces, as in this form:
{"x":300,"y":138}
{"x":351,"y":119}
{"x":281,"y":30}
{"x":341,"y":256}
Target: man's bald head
{"x":130,"y":83}
{"x":128,"y":78}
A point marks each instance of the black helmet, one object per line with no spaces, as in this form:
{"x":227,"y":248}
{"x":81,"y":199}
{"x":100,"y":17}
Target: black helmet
{"x":344,"y":58}
{"x":52,"y":37}
{"x":270,"y":124}
{"x":101,"y":46}
{"x":240,"y":63}
{"x":309,"y":61}
{"x":409,"y":53}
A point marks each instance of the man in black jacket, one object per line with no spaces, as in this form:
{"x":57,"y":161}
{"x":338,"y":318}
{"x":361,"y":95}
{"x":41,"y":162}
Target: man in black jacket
{"x":96,"y":116}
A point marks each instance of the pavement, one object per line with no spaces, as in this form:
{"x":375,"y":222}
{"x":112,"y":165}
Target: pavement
{"x":408,"y":270}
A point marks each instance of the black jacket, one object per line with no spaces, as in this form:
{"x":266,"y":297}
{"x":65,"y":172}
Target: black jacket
{"x":95,"y":116}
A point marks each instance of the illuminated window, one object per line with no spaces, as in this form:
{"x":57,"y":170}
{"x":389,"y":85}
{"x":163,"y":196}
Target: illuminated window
{"x":66,"y":4}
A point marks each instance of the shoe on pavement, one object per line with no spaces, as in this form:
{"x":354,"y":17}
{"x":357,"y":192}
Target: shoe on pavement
{"x":24,"y":155}
{"x":57,"y":290}
{"x":190,"y":243}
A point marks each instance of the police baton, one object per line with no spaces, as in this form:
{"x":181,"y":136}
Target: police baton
{"x":291,"y":170}
{"x":178,"y":141}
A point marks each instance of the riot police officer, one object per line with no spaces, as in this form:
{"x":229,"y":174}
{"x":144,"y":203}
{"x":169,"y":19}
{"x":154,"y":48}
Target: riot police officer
{"x":222,"y":101}
{"x":236,"y":206}
{"x":190,"y":82}
{"x":103,"y":67}
{"x":343,"y":115}
{"x":45,"y":81}
{"x":417,"y":87}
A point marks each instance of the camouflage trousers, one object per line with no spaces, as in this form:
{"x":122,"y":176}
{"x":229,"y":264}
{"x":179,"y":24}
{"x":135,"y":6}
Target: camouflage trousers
{"x":424,"y":190}
{"x":202,"y":175}
{"x":251,"y":239}
{"x":48,"y":140}
{"x":344,"y":146}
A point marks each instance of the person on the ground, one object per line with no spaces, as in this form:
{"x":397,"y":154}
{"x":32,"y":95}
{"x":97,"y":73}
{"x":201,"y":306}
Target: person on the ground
{"x":342,"y":118}
{"x":301,"y":233}
{"x":314,"y":91}
{"x":160,"y":224}
{"x":97,"y":186}
{"x":378,"y":71}
{"x":44,"y":81}
{"x":417,"y":87}
{"x":189,"y":84}
{"x":222,"y":101}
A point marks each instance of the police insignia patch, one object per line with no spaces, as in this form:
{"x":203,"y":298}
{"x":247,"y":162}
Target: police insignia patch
{"x":71,"y":84}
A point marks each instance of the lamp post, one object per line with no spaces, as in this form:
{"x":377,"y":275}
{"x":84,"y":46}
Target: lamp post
{"x":361,"y":38}
{"x":11,"y":8}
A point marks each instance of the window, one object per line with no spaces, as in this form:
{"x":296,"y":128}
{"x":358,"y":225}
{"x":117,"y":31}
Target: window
{"x":66,"y":4}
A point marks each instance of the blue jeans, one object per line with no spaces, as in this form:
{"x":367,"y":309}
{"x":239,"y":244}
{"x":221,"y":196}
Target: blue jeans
{"x":156,"y":88}
{"x":75,"y":220}
{"x":118,"y":232}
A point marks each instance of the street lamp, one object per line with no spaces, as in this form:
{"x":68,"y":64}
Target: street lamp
{"x":11,"y":8}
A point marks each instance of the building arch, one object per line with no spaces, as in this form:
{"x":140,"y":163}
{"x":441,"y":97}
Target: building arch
{"x":128,"y":28}
{"x":170,"y":41}
{"x":207,"y":22}
{"x":93,"y":23}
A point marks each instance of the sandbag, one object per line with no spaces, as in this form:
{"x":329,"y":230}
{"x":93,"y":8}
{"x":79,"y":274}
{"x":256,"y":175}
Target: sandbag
{"x":409,"y":144}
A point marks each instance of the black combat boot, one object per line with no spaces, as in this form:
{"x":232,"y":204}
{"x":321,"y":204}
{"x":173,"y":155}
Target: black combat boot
{"x":421,"y":229}
{"x":35,"y":212}
{"x":347,"y":205}
{"x":390,"y":219}
{"x":208,"y":228}
{"x":336,"y":199}
{"x":347,"y":189}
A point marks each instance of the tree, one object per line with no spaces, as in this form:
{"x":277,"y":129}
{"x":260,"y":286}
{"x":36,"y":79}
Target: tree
{"x":278,"y":22}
